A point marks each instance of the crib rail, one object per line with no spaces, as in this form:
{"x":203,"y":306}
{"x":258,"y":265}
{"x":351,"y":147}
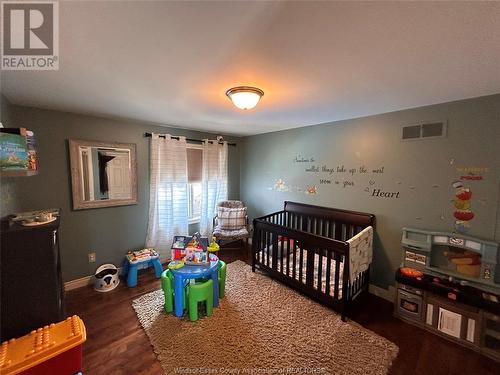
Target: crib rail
{"x":325,"y":226}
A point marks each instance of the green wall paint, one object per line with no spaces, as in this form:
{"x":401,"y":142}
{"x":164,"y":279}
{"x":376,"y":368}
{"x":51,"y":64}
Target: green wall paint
{"x":110,"y":232}
{"x":473,"y":140}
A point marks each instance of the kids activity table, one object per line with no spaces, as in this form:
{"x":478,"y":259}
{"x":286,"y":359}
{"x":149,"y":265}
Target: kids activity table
{"x":194,"y":272}
{"x":130,"y":268}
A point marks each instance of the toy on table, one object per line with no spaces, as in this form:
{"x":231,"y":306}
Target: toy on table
{"x":146,"y":258}
{"x":53,"y":349}
{"x":141,"y":255}
{"x":213,"y":247}
{"x":196,"y":251}
{"x":175,"y":264}
{"x":195,"y":243}
{"x":179,"y":247}
{"x":196,"y":257}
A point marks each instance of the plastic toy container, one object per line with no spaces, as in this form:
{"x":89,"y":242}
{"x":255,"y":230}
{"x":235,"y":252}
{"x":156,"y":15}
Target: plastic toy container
{"x":53,"y":349}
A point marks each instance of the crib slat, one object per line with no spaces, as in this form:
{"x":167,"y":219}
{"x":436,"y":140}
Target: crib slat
{"x":274,"y":239}
{"x":338,"y":231}
{"x":294,"y":257}
{"x":301,"y":261}
{"x":280,"y":257}
{"x":328,"y":266}
{"x":320,"y":271}
{"x":260,"y":247}
{"x":337,"y":276}
{"x":310,"y":268}
{"x":324,"y":233}
{"x":356,"y":283}
{"x":268,"y":245}
{"x":288,"y":256}
{"x":331,"y":227}
{"x":263,"y":246}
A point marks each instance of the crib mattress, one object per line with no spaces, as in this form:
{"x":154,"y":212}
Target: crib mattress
{"x":289,"y":265}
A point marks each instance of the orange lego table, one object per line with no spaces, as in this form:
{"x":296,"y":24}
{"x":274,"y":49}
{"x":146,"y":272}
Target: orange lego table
{"x":53,"y":349}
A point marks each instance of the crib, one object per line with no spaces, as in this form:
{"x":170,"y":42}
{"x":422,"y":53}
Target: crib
{"x":306,"y":248}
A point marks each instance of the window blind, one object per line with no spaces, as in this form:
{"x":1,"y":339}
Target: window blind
{"x":194,"y":161}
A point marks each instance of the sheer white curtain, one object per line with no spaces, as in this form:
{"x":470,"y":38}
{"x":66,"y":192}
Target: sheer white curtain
{"x":214,"y":182}
{"x":168,"y":194}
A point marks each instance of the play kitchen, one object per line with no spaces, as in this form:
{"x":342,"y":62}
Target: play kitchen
{"x":449,"y":284}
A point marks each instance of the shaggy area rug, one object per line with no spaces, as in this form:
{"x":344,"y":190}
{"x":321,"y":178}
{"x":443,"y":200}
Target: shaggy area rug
{"x":262,"y":327}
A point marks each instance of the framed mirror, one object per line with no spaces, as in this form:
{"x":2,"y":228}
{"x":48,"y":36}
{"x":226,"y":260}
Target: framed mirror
{"x":103,"y":174}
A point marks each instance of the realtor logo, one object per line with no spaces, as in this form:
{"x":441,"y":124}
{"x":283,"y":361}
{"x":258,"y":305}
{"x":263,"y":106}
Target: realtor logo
{"x":30,"y":35}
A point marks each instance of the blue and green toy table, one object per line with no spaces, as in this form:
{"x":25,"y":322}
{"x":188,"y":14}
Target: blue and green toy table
{"x":195,"y":272}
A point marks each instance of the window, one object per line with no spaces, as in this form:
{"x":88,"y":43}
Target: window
{"x":194,"y":202}
{"x":194,"y":161}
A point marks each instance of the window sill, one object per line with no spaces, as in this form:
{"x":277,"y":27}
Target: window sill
{"x":194,"y":221}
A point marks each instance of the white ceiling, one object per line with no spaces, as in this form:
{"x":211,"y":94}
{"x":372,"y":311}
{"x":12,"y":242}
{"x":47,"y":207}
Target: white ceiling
{"x":171,"y":62}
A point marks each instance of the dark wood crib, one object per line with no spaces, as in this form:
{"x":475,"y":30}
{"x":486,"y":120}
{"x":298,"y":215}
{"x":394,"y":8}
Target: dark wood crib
{"x":306,"y":248}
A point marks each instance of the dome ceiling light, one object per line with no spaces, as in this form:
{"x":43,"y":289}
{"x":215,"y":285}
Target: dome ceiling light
{"x":245,"y":97}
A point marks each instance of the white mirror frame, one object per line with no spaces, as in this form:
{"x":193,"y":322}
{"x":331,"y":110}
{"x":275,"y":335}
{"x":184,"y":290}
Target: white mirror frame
{"x":76,"y":181}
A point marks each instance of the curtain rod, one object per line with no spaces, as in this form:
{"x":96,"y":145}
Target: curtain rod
{"x":148,"y":135}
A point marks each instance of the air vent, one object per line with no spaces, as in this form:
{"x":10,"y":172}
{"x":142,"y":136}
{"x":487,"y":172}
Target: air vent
{"x":431,"y":129}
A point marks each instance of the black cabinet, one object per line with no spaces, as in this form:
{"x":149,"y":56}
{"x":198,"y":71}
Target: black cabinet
{"x":32,"y":291}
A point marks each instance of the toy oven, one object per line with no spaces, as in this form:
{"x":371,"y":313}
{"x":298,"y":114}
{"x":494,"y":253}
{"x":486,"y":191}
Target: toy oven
{"x":410,"y":303}
{"x":462,"y":257}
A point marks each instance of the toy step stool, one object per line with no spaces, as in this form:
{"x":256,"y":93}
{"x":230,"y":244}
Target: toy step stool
{"x":53,"y":349}
{"x":131,"y":264}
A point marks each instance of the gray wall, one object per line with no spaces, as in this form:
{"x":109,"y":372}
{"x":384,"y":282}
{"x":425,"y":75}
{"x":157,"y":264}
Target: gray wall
{"x":421,"y":171}
{"x":110,"y":232}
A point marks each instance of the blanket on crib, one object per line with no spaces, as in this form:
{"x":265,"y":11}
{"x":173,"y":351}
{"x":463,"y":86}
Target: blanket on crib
{"x":360,"y":252}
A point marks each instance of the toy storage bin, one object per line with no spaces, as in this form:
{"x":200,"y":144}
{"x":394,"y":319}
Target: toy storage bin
{"x":53,"y":349}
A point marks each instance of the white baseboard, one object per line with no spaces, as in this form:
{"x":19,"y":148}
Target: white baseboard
{"x":83,"y":281}
{"x":78,"y":283}
{"x":387,"y":294}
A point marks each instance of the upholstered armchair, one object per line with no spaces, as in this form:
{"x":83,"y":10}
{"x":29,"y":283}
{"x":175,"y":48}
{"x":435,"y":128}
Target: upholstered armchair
{"x":231,"y":222}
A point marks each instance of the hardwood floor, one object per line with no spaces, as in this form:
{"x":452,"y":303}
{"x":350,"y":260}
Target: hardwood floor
{"x":116,"y":343}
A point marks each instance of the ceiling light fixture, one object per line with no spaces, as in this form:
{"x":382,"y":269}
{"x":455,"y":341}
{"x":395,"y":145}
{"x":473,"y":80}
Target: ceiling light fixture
{"x":245,"y":97}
